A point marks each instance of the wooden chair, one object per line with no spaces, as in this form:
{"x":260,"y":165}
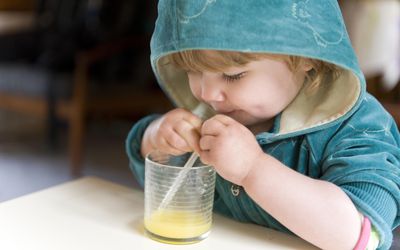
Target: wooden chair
{"x":137,"y":99}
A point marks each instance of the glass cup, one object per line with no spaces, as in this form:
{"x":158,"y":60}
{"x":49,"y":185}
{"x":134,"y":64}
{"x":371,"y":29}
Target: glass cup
{"x":187,"y":217}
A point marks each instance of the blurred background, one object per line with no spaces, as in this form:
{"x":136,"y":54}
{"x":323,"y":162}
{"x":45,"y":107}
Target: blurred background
{"x":75,"y":76}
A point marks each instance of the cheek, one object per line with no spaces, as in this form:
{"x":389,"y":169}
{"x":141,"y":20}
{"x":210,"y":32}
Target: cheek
{"x":265,"y":100}
{"x":252,"y":100}
{"x":195,"y":89}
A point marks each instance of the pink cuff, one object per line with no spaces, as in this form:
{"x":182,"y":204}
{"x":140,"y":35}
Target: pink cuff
{"x":364,"y":236}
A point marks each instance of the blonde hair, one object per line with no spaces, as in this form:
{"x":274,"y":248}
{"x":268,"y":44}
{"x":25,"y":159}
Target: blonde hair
{"x":218,"y":61}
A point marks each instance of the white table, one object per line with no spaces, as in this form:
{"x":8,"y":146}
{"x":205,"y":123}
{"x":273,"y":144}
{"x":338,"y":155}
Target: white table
{"x":91,"y":213}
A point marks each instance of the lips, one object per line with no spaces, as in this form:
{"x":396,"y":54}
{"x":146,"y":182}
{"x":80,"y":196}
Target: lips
{"x":224,"y":111}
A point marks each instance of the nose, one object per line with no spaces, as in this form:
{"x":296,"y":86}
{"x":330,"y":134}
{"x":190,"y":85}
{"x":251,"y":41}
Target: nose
{"x":211,"y":91}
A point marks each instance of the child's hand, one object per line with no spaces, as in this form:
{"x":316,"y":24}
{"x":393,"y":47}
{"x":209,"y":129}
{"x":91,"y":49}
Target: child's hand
{"x":230,"y":147}
{"x":176,"y":132}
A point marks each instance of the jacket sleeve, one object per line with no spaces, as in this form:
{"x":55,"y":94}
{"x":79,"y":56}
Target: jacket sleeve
{"x":363,"y":159}
{"x":132,"y":147}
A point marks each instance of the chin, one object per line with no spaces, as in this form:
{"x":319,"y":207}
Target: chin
{"x":253,"y":123}
{"x":243,"y":118}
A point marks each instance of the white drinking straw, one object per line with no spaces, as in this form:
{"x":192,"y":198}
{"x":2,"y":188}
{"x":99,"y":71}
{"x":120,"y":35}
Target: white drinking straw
{"x":178,"y":181}
{"x":204,"y":112}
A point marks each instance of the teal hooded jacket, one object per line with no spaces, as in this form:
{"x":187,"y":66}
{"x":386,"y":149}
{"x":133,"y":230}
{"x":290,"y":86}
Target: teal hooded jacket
{"x":340,"y":134}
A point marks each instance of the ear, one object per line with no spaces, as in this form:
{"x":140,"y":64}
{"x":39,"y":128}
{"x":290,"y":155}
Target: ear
{"x":307,"y":66}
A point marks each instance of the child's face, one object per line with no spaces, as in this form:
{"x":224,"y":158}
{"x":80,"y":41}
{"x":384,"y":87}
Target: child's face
{"x":250,"y":94}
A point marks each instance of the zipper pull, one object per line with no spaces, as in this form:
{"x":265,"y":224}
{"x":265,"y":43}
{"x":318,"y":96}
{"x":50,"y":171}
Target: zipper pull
{"x":235,"y":189}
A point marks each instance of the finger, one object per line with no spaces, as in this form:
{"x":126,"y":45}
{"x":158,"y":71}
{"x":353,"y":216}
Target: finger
{"x":176,"y":141}
{"x":212,"y":127}
{"x":226,"y":120}
{"x":188,"y":117}
{"x":205,"y":157}
{"x":173,"y":151}
{"x":189,"y":134}
{"x":195,"y":121}
{"x":206,"y":142}
{"x":166,"y":147}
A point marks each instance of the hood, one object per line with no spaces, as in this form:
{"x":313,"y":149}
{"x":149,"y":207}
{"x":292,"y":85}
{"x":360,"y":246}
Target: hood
{"x":308,"y":28}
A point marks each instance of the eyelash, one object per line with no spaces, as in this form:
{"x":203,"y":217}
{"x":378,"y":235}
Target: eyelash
{"x":233,"y":78}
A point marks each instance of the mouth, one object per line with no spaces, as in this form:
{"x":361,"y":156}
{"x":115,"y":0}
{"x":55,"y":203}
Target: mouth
{"x":224,"y":111}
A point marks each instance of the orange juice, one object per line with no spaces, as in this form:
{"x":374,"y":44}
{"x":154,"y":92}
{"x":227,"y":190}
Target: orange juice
{"x":175,"y":226}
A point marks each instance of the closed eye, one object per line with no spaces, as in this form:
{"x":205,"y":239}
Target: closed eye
{"x":232,"y":78}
